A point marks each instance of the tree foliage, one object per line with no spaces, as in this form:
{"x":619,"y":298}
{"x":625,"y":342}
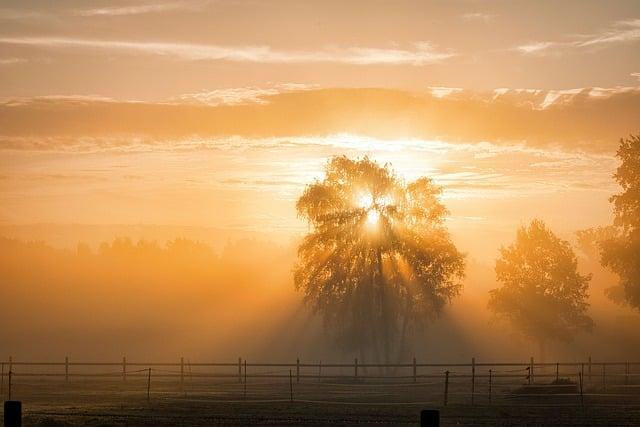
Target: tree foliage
{"x":542,"y":294}
{"x":378,"y":260}
{"x":621,"y":253}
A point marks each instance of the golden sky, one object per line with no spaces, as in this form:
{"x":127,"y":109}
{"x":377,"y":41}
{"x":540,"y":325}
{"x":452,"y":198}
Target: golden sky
{"x":217,"y":113}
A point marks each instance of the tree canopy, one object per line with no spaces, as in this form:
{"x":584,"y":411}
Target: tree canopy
{"x":542,"y":294}
{"x":378,"y":260}
{"x":621,"y":253}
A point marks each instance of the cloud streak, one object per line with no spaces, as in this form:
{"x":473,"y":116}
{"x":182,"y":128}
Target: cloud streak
{"x":140,"y":9}
{"x":620,"y":32}
{"x":421,"y":53}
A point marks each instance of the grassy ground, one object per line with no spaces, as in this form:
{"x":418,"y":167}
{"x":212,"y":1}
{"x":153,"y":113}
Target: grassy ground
{"x":51,"y":403}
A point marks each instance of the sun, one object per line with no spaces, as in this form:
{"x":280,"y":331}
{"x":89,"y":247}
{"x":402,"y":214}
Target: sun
{"x":373,"y":216}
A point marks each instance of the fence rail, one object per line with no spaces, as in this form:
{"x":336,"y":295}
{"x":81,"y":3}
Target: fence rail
{"x":486,"y":381}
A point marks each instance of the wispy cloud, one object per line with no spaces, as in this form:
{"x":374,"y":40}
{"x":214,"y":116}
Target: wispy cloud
{"x":12,"y":61}
{"x":478,"y":16}
{"x":140,"y":9}
{"x":619,"y":32}
{"x":636,"y":75}
{"x":421,"y":53}
{"x":239,"y":95}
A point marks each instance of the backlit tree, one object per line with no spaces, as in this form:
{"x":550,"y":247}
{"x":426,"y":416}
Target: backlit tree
{"x":378,"y":260}
{"x":542,"y":295}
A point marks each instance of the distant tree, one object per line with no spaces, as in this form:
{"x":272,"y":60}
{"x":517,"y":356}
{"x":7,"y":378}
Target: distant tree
{"x":542,"y":295}
{"x":621,"y":252}
{"x":378,"y":260}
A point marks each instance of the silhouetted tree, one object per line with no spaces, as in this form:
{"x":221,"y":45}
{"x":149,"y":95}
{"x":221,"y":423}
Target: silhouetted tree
{"x":379,"y":260}
{"x":542,"y":294}
{"x":621,"y":253}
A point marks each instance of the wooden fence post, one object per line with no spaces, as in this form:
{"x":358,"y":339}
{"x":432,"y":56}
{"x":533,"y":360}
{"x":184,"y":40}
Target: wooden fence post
{"x":582,"y":371}
{"x":2,"y":381}
{"x":66,"y":368}
{"x":589,"y":369}
{"x":149,"y":386}
{"x":319,"y":371}
{"x":181,"y":370}
{"x":124,"y":368}
{"x":10,"y":375}
{"x":415,"y":370}
{"x":355,"y":367}
{"x":446,"y":387}
{"x":473,"y":379}
{"x":581,"y":375}
{"x":604,"y":377}
{"x":298,"y":370}
{"x":245,"y":379}
{"x":626,"y":373}
{"x":531,"y":371}
{"x":10,"y":363}
{"x":290,"y":386}
{"x":557,"y":371}
{"x":239,"y":369}
{"x":490,"y":378}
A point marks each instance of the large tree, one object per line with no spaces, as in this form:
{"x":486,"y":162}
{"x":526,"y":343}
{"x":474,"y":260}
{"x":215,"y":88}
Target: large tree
{"x":621,"y":253}
{"x":542,"y":294}
{"x":378,"y":260}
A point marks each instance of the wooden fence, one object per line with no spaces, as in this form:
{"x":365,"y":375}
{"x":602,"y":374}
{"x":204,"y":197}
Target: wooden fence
{"x":468,"y":377}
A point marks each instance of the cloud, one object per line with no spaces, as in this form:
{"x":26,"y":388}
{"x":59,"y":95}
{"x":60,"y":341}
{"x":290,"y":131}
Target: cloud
{"x":237,"y":96}
{"x":478,"y":16}
{"x":589,"y":119}
{"x":619,"y":32}
{"x":140,"y":9}
{"x":636,"y":75}
{"x":421,"y":53}
{"x":12,"y":61}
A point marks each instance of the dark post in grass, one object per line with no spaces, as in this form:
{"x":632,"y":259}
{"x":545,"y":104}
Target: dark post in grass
{"x":239,"y":369}
{"x":124,"y":368}
{"x":490,"y":379}
{"x":557,"y":371}
{"x":12,"y":413}
{"x":589,"y":369}
{"x":581,"y":376}
{"x":10,"y":375}
{"x":149,"y":386}
{"x":355,"y":367}
{"x":66,"y":369}
{"x":429,"y":418}
{"x":290,"y":386}
{"x":320,"y":371}
{"x":245,"y":379}
{"x":298,"y":370}
{"x":604,"y":377}
{"x":446,"y":387}
{"x":473,"y":379}
{"x":415,"y":370}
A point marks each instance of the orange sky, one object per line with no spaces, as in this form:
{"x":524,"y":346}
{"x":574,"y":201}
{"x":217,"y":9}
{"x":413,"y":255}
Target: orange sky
{"x":216,"y":114}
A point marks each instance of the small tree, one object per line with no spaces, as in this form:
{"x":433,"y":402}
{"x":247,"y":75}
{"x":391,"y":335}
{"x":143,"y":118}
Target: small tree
{"x":621,"y":253}
{"x":378,"y":260}
{"x":542,"y":295}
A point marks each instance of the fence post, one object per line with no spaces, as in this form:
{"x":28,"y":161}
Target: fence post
{"x":2,"y":381}
{"x":581,"y":375}
{"x":557,"y":371}
{"x":124,"y":368}
{"x":531,"y":371}
{"x":181,"y":370}
{"x":149,"y":386}
{"x":290,"y":386}
{"x":582,"y":371}
{"x":446,"y":387}
{"x":298,"y":370}
{"x":589,"y":369}
{"x":473,"y":379}
{"x":319,"y":371}
{"x":490,"y":378}
{"x":604,"y":377}
{"x":355,"y":367}
{"x":239,"y":369}
{"x":626,"y":373}
{"x":245,"y":379}
{"x":10,"y":363}
{"x":10,"y":375}
{"x":415,"y":370}
{"x":66,"y":368}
